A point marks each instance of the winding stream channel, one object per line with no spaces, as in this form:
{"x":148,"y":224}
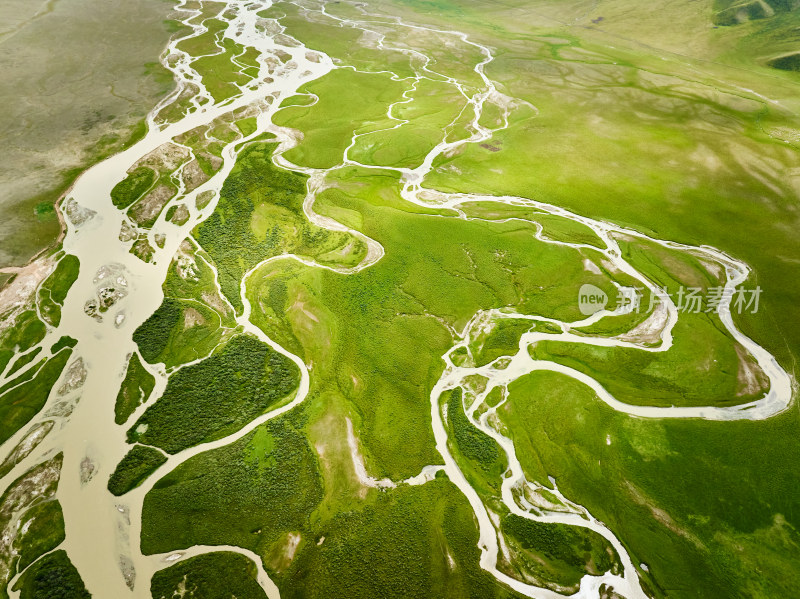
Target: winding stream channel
{"x":102,"y":532}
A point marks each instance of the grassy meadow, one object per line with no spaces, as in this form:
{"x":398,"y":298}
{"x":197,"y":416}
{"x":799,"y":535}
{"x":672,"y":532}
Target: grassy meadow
{"x":617,"y":132}
{"x":680,"y":121}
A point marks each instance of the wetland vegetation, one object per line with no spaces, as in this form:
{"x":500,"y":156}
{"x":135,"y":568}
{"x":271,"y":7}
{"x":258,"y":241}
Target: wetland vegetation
{"x":209,"y":576}
{"x":216,"y":396}
{"x":344,"y":334}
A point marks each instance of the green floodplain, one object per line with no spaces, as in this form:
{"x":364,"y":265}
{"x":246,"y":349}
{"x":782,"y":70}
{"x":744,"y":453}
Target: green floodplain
{"x":679,"y":121}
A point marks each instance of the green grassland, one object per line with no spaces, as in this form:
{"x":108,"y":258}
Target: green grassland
{"x":249,"y":493}
{"x":449,"y":57}
{"x":554,"y":227}
{"x":216,"y":396}
{"x":480,"y":458}
{"x":704,"y":179}
{"x":208,"y":9}
{"x":22,"y":402}
{"x":708,"y":506}
{"x":27,"y":331}
{"x":266,"y":486}
{"x":616,"y":134}
{"x":39,"y":520}
{"x":502,"y":340}
{"x":205,"y":43}
{"x":133,"y":186}
{"x":399,"y":544}
{"x":327,"y":35}
{"x":139,"y":463}
{"x":703,"y":367}
{"x":667,"y":156}
{"x":552,"y":554}
{"x":259,"y":215}
{"x":209,"y":576}
{"x":680,"y":32}
{"x":52,"y":577}
{"x":181,"y":331}
{"x":44,"y":531}
{"x":134,"y":390}
{"x":436,"y":271}
{"x":24,"y":360}
{"x":349,"y":102}
{"x":53,"y":290}
{"x":557,"y":553}
{"x":247,"y":126}
{"x":221,"y":75}
{"x":434,"y":106}
{"x":193,"y":320}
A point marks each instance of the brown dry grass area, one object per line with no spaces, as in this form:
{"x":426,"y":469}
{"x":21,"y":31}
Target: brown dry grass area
{"x":68,"y":96}
{"x":20,"y":292}
{"x":151,"y":205}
